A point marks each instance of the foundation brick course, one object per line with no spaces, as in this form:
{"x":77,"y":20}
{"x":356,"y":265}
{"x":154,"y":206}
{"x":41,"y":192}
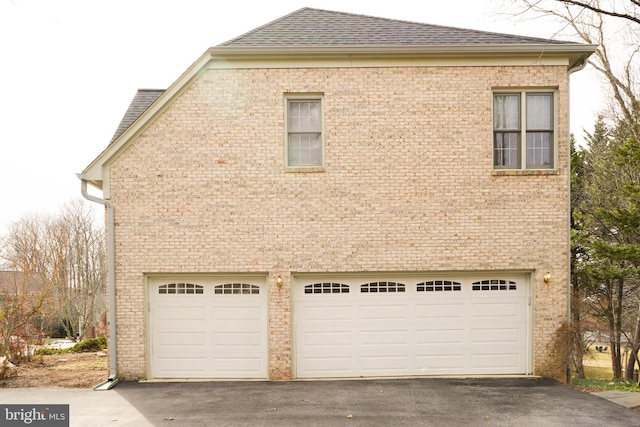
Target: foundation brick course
{"x":408,"y":185}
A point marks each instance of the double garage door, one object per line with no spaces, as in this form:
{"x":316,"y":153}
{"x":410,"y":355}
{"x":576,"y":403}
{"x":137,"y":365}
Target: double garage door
{"x":412,"y":325}
{"x":343,"y":326}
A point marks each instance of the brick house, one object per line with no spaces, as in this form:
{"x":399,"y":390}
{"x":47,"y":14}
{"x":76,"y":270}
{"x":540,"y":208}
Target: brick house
{"x":337,"y":195}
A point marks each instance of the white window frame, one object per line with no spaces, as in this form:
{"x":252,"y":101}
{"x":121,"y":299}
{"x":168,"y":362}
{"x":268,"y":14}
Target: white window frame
{"x":522,"y":129}
{"x":313,"y":167}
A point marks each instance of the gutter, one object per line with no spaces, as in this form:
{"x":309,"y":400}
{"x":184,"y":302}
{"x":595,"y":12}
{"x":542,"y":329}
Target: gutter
{"x":111,"y":266}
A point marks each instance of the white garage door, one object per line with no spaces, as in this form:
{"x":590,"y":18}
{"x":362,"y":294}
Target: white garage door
{"x":412,"y":325}
{"x":208,"y":328}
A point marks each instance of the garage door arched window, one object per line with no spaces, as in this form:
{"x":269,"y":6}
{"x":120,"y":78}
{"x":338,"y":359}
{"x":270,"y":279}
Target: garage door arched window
{"x":438,"y":286}
{"x":381,"y":287}
{"x":326,"y":288}
{"x":494,"y":285}
{"x":236,"y":289}
{"x":180,"y":288}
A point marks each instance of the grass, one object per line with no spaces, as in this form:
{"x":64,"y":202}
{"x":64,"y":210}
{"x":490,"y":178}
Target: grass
{"x":598,"y":373}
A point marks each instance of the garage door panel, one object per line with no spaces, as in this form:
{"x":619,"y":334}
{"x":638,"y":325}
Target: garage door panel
{"x":442,"y":311}
{"x":229,"y":314}
{"x":443,"y":335}
{"x":434,"y":364}
{"x":384,"y":365}
{"x":328,"y":366}
{"x":180,"y":366}
{"x":384,"y":338}
{"x":439,"y":327}
{"x":237,"y":367}
{"x":506,"y":361}
{"x":382,"y":312}
{"x":497,"y":336}
{"x":495,"y":310}
{"x":168,"y":312}
{"x":328,"y":338}
{"x":238,"y":339}
{"x":177,"y":339}
{"x":322,"y":312}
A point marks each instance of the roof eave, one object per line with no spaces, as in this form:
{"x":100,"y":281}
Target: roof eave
{"x":566,"y":49}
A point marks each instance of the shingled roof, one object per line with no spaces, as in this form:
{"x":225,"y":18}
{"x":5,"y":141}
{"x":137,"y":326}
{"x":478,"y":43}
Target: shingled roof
{"x":316,"y":27}
{"x":141,"y":101}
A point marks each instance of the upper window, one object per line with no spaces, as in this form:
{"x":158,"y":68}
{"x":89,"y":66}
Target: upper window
{"x":523,"y":140}
{"x":304,"y":132}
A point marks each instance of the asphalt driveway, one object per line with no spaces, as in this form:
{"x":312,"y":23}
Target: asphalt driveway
{"x":392,"y":402}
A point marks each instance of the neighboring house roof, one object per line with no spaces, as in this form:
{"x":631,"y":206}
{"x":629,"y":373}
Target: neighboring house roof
{"x":143,"y":99}
{"x":321,"y":34}
{"x":315,"y":27}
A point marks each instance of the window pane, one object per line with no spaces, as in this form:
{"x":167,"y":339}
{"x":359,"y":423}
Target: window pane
{"x":305,"y":150}
{"x":505,"y":152}
{"x":304,"y":116}
{"x":539,"y":111}
{"x":539,"y":149}
{"x":506,"y":112}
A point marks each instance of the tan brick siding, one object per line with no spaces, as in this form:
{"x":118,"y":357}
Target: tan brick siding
{"x":408,"y":186}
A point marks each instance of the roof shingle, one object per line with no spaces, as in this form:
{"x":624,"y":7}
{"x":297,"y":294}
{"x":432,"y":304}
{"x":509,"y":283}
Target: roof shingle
{"x":316,"y":27}
{"x":143,"y":100}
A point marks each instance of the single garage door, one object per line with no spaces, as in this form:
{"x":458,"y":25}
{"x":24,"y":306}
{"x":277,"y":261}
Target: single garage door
{"x":357,"y":326}
{"x":208,"y":328}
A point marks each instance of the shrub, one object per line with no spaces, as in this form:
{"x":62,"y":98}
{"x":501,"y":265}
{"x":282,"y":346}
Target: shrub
{"x":92,"y":344}
{"x":50,"y":351}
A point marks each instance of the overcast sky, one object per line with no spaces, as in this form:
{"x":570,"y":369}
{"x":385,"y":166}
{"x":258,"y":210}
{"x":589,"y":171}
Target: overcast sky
{"x":69,"y":69}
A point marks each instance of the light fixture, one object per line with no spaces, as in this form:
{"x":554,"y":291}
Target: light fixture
{"x":279,"y":282}
{"x":546,"y":277}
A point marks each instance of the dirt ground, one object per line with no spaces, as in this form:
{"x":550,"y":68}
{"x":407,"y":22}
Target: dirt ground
{"x":71,"y":370}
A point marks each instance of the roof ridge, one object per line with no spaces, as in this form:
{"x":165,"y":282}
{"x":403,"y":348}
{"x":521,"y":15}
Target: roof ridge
{"x":268,"y":24}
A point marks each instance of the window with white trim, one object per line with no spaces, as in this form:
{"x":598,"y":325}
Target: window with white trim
{"x":304,"y":132}
{"x":523,"y":140}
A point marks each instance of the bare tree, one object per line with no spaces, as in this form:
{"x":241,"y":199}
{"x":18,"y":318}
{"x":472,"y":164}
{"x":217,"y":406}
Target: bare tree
{"x":35,"y":267}
{"x":58,"y":274}
{"x":615,"y":28}
{"x":82,"y":300}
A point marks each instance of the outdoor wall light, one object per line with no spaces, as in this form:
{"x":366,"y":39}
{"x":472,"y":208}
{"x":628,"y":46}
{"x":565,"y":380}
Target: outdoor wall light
{"x":546,"y":277}
{"x":279,"y":282}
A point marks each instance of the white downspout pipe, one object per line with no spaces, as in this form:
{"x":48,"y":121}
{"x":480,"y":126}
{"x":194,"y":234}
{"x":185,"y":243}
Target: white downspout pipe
{"x":111,"y":266}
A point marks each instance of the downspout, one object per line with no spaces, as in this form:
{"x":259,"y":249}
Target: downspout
{"x":577,"y":67}
{"x":111,"y":266}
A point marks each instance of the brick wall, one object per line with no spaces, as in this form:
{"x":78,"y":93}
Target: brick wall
{"x":408,"y":186}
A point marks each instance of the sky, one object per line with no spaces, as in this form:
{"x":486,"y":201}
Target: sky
{"x":69,"y":68}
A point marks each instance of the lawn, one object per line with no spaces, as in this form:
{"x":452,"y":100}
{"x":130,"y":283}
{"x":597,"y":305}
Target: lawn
{"x":598,"y":373}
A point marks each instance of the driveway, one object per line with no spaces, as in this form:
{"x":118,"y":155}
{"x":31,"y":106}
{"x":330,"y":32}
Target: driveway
{"x":393,"y":402}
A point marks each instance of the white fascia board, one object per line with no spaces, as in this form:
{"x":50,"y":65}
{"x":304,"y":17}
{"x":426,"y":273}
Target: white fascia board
{"x":574,"y":52}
